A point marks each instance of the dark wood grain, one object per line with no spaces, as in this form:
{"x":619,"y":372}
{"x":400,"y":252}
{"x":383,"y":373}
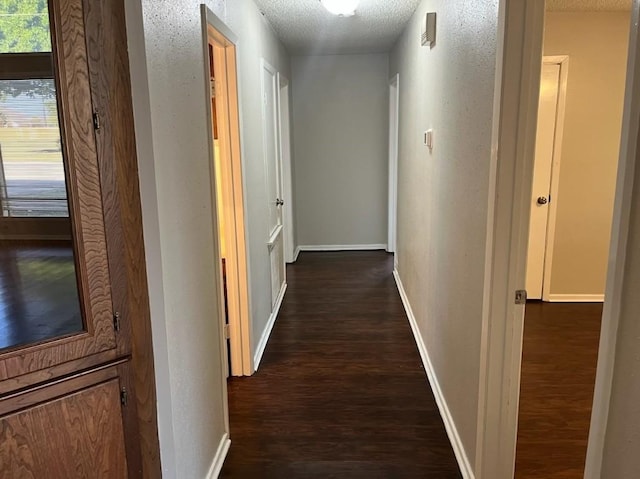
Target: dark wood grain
{"x":19,"y":400}
{"x":83,"y":176}
{"x":28,"y":65}
{"x":76,"y":436}
{"x":111,"y":92}
{"x":341,"y":391}
{"x":37,"y":378}
{"x":559,"y":361}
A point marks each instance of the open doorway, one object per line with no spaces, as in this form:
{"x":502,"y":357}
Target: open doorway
{"x":228,"y":198}
{"x":540,"y":359}
{"x":574,"y":180}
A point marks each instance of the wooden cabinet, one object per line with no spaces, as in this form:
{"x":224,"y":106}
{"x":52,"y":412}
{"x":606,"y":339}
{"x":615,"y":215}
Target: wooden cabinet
{"x":71,"y":429}
{"x":77,"y":396}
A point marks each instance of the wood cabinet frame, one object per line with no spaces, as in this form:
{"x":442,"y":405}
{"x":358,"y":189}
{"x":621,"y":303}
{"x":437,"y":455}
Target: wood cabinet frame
{"x":92,"y":70}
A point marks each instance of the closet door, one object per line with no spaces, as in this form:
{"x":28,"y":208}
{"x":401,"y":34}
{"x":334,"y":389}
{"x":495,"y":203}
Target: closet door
{"x":55,"y":294}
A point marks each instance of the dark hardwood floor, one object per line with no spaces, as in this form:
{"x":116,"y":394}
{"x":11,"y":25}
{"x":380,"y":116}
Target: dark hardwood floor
{"x":558,"y":375}
{"x":341,"y":391}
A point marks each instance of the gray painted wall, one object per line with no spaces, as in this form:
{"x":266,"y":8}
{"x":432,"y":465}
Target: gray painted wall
{"x":340,"y":137}
{"x":443,"y":196}
{"x":169,"y":94}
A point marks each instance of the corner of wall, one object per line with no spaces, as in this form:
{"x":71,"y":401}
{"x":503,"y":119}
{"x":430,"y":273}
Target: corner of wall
{"x":150,"y":220}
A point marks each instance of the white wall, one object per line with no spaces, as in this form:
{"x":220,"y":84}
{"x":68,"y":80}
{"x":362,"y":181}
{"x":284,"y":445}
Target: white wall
{"x":619,"y":360}
{"x":443,"y":196}
{"x":590,"y":146}
{"x":622,"y":438}
{"x":169,"y":94}
{"x":340,"y":138}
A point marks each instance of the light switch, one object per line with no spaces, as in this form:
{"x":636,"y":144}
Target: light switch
{"x":428,"y":139}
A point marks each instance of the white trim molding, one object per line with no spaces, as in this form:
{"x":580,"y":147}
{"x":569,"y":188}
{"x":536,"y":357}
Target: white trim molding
{"x":576,"y":298}
{"x":267,"y":331}
{"x":449,"y":424}
{"x":343,"y":247}
{"x":296,"y":253}
{"x":218,"y":460}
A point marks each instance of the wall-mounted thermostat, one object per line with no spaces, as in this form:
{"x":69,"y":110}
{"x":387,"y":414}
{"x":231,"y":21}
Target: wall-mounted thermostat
{"x":429,"y":30}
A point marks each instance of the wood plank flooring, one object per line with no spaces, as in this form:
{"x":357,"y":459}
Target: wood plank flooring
{"x":341,"y":391}
{"x":558,"y":375}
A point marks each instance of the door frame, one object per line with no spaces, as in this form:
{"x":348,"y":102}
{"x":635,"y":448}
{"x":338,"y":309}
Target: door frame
{"x":240,"y":335}
{"x":394,"y":129}
{"x":563,"y":62}
{"x":515,"y":113}
{"x":286,"y":182}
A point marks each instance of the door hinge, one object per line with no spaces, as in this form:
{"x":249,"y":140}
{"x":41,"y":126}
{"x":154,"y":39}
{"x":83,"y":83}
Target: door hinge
{"x":521,"y":296}
{"x":96,"y":121}
{"x":227,"y":335}
{"x":213,"y":88}
{"x":124,"y":396}
{"x":117,"y":323}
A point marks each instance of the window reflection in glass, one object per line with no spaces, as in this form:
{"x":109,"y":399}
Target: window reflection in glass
{"x":24,"y":26}
{"x":38,"y":286}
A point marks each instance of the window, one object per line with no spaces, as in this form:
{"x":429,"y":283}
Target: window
{"x":32,"y":177}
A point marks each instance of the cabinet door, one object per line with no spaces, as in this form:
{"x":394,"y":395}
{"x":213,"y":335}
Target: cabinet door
{"x":78,"y":434}
{"x":55,"y":293}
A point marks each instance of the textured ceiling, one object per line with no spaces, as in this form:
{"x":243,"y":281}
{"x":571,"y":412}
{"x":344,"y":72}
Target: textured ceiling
{"x":305,"y":27}
{"x":588,"y":5}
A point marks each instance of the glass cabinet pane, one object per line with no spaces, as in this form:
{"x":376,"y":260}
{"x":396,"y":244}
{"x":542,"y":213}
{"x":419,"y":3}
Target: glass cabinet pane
{"x":39,"y":297}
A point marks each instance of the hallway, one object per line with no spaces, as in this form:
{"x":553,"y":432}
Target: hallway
{"x":341,"y":391}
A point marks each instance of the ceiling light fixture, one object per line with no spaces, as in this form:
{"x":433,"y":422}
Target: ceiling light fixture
{"x":342,"y":8}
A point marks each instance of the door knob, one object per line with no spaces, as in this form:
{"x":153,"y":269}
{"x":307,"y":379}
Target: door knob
{"x":542,"y":200}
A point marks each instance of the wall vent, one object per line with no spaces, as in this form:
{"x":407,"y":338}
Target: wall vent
{"x":429,"y":30}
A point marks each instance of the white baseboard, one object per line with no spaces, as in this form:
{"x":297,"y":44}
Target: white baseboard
{"x":218,"y":460}
{"x":576,"y":298}
{"x":296,"y":254}
{"x":449,"y":424}
{"x":343,"y":247}
{"x":267,"y":331}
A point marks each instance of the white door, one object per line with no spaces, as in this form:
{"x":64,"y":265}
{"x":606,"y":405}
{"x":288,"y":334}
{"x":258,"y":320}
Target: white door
{"x":541,"y":198}
{"x":273,"y":169}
